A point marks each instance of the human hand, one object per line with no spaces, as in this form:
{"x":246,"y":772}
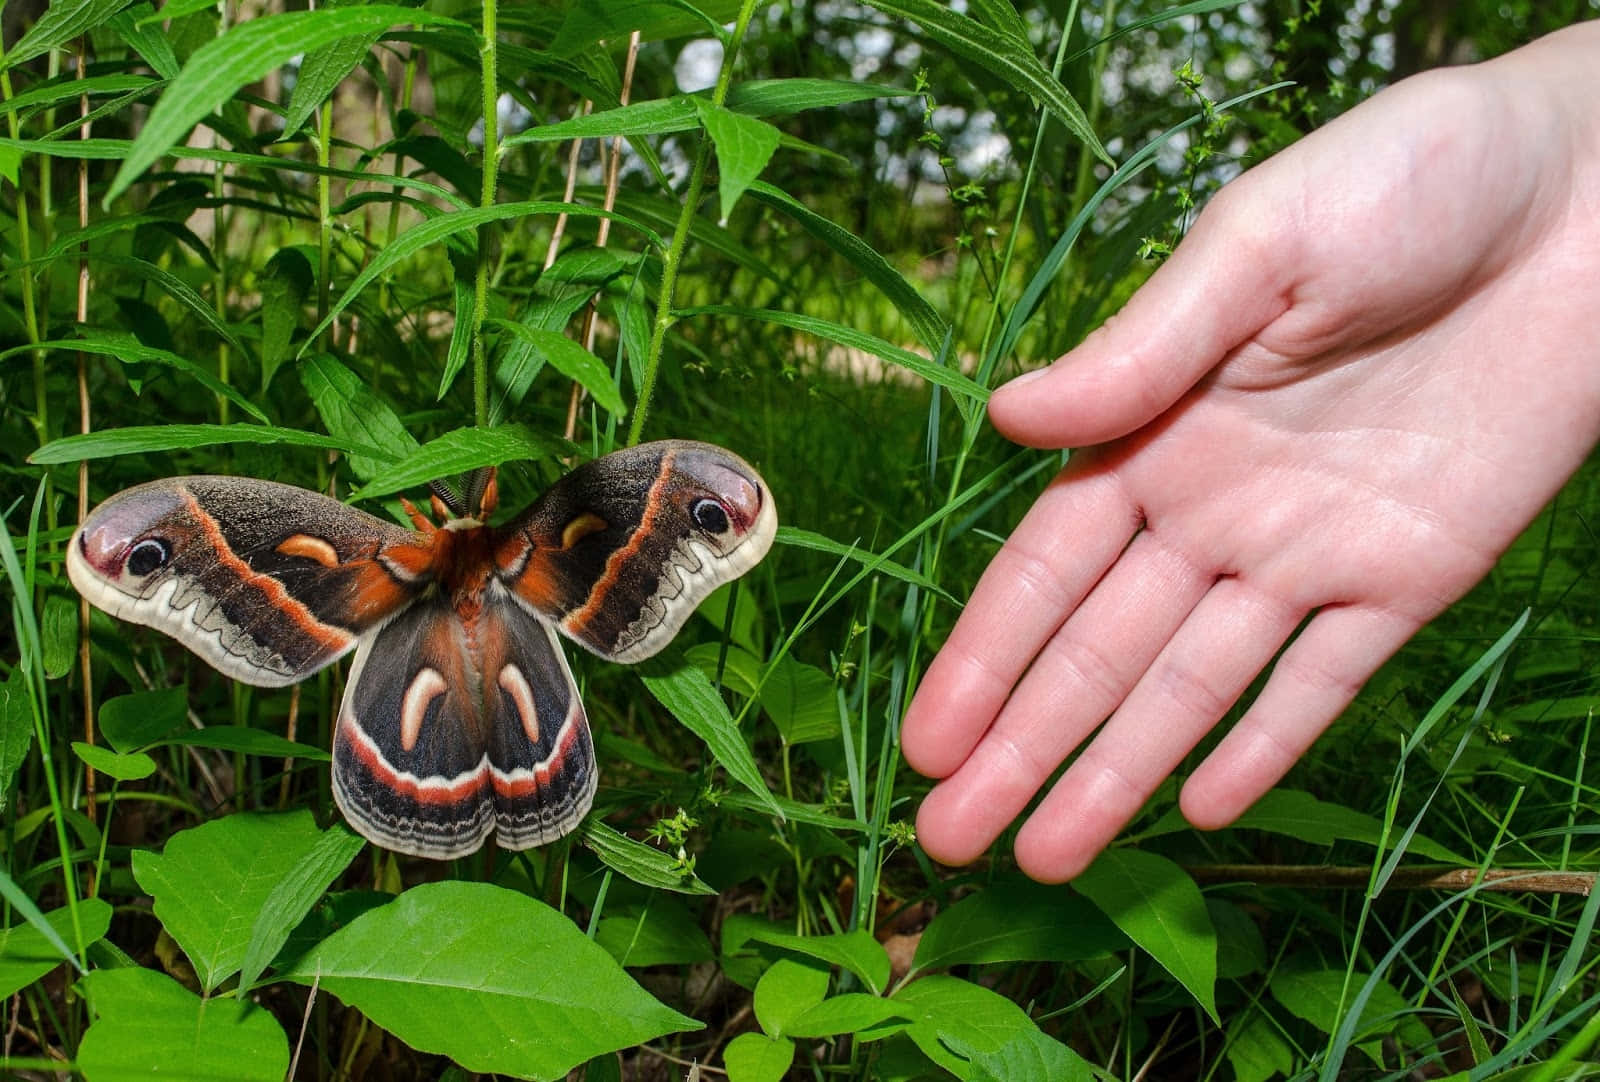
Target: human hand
{"x":1360,"y":376}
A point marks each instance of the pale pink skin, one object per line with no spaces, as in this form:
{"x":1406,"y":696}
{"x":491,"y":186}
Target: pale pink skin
{"x":1367,"y":368}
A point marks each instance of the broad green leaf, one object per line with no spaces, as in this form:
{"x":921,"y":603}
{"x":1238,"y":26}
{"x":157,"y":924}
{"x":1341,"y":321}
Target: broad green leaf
{"x":1017,"y":921}
{"x":1256,"y":1050}
{"x":322,"y":70}
{"x":458,"y":452}
{"x":800,"y":701}
{"x":448,"y":225}
{"x":786,"y":990}
{"x":489,"y":977}
{"x":130,"y":766}
{"x":351,"y":411}
{"x":592,"y":267}
{"x":58,"y":635}
{"x":293,"y":896}
{"x":177,"y":9}
{"x":1323,"y":997}
{"x":855,"y":951}
{"x":285,"y":284}
{"x":849,"y":1013}
{"x":211,"y":882}
{"x":571,"y":360}
{"x":1301,"y":815}
{"x":125,"y":348}
{"x":148,"y":1026}
{"x":999,"y":55}
{"x":136,"y":27}
{"x":246,"y":52}
{"x":140,"y":719}
{"x":744,"y":147}
{"x":929,"y":327}
{"x":1030,"y":1054}
{"x":641,"y":863}
{"x":660,"y":932}
{"x":248,"y":741}
{"x":853,"y":339}
{"x":753,"y":1057}
{"x":143,"y":440}
{"x":26,"y":954}
{"x":16,"y":728}
{"x":687,"y":694}
{"x":59,"y":23}
{"x":947,"y":1013}
{"x":181,"y":292}
{"x":1162,"y":911}
{"x":594,"y":21}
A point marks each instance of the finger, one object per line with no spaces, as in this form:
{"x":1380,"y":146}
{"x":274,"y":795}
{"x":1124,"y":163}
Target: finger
{"x":1312,"y":683}
{"x":1078,"y":679}
{"x":1229,"y":278}
{"x":1228,"y":638}
{"x":1060,"y":549}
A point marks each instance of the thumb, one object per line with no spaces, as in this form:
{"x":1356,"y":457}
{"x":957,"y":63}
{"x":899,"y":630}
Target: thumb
{"x":1229,"y":278}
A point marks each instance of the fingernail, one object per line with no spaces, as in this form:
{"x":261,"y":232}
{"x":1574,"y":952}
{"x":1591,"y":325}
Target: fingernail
{"x":1027,"y":377}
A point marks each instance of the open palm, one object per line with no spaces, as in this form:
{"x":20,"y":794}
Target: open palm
{"x":1362,"y":374}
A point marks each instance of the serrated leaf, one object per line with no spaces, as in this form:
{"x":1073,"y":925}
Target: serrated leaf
{"x":786,"y":990}
{"x":687,"y":694}
{"x":1161,"y":909}
{"x":285,"y":284}
{"x":294,"y":895}
{"x":1017,"y":921}
{"x":783,"y":97}
{"x":148,"y":1026}
{"x":246,"y":52}
{"x":351,"y":411}
{"x":489,"y":977}
{"x":855,"y":951}
{"x":321,"y":71}
{"x":211,"y":882}
{"x":134,"y":26}
{"x":129,"y":766}
{"x":456,"y":452}
{"x":571,"y":360}
{"x":58,"y":635}
{"x":753,"y":1057}
{"x":641,"y":863}
{"x":58,"y":24}
{"x":26,"y":954}
{"x":744,"y":147}
{"x":140,"y":719}
{"x":149,"y":439}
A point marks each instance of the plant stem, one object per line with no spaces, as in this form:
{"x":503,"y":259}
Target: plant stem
{"x":680,"y":236}
{"x":491,"y":165}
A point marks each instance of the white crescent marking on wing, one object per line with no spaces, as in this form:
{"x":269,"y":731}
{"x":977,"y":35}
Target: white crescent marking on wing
{"x":425,"y":687}
{"x":516,"y":686}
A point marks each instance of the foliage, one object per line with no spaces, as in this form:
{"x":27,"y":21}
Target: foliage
{"x":338,"y":247}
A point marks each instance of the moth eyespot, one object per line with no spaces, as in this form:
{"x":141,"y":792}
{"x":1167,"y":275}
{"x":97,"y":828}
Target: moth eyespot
{"x":710,"y":516}
{"x":146,"y":557}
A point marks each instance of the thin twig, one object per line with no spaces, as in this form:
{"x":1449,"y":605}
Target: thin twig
{"x":1357,"y":878}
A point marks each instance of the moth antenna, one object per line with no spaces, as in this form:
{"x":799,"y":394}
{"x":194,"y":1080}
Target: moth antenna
{"x":445,"y":495}
{"x":478,"y":483}
{"x":422,"y":522}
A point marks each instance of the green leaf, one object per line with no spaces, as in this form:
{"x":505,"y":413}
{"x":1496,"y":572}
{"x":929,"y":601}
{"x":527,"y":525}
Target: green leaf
{"x":571,"y":360}
{"x":848,"y":1013}
{"x":783,"y":97}
{"x":660,"y":932}
{"x":929,"y":327}
{"x":1017,"y":921}
{"x":948,"y":1013}
{"x":58,"y":635}
{"x":148,"y":1026}
{"x":244,"y":54}
{"x":125,"y":348}
{"x":752,"y":1057}
{"x":1256,"y":1050}
{"x":293,"y":896}
{"x":853,"y":339}
{"x":658,"y":116}
{"x":489,"y":977}
{"x":124,"y":767}
{"x":321,"y":71}
{"x":448,"y":225}
{"x":26,"y":953}
{"x":285,"y":284}
{"x":687,"y":694}
{"x":212,"y":881}
{"x":855,"y":951}
{"x":248,"y":741}
{"x":1000,"y":55}
{"x":800,"y":701}
{"x":1323,"y":997}
{"x":458,"y":452}
{"x":641,"y":863}
{"x":1162,"y":911}
{"x":744,"y":147}
{"x":795,"y":537}
{"x":1030,"y":1054}
{"x":351,"y":411}
{"x":786,"y":990}
{"x":1298,"y":814}
{"x":59,"y":23}
{"x":16,"y":728}
{"x":138,"y":720}
{"x":136,"y":27}
{"x":152,"y":439}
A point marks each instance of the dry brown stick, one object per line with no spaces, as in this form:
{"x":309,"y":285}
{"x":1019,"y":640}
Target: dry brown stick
{"x":1356,"y":878}
{"x":83,"y":426}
